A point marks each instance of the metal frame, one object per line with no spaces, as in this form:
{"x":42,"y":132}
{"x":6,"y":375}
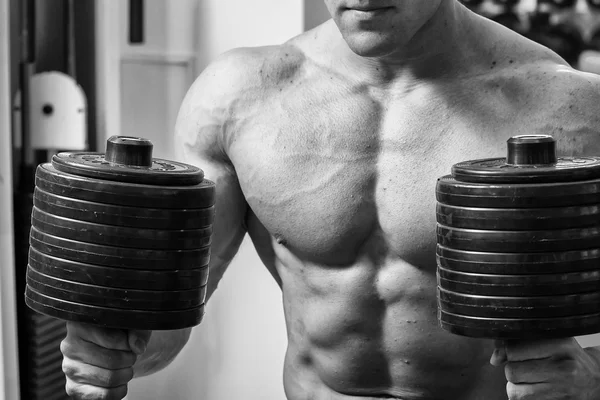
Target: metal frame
{"x":108,"y":73}
{"x":9,"y":371}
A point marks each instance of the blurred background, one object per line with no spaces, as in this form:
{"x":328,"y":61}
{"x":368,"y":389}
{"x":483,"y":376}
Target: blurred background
{"x":101,"y":68}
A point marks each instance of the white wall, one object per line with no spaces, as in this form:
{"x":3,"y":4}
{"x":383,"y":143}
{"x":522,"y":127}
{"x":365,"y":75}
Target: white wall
{"x":315,"y":13}
{"x":8,"y":341}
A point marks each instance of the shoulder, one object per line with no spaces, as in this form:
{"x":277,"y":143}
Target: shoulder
{"x":228,"y":89}
{"x":245,"y":73}
{"x":550,"y":97}
{"x":569,"y":108}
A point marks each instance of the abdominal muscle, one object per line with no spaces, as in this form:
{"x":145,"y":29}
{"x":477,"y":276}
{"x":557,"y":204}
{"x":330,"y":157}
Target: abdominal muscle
{"x":371,"y":332}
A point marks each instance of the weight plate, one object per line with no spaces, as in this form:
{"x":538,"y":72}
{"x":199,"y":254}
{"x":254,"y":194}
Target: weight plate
{"x":468,"y":194}
{"x":53,"y":181}
{"x":519,"y":241}
{"x":124,"y":278}
{"x":125,"y":216}
{"x":121,"y":257}
{"x":517,"y":263}
{"x":112,"y":317}
{"x":526,"y":219}
{"x":517,"y":328}
{"x":95,"y":165}
{"x":116,"y":293}
{"x":496,"y":170}
{"x":518,"y":307}
{"x":519,"y":285}
{"x":120,"y":236}
{"x":115,"y":298}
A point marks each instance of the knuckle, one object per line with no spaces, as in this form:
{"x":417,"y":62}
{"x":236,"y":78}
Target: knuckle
{"x":510,"y":372}
{"x":70,"y":368}
{"x":87,"y":392}
{"x":511,"y":391}
{"x":67,"y":347}
{"x":71,"y":388}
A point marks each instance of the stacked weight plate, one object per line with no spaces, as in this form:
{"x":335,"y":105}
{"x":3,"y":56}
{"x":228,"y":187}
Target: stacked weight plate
{"x":518,"y":248}
{"x":120,"y":239}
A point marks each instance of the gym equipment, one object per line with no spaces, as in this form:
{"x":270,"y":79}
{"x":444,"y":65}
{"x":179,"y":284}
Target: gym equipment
{"x":517,"y":263}
{"x":51,"y":180}
{"x":126,"y":216}
{"x":509,"y":19}
{"x":561,"y":4}
{"x":515,"y":219}
{"x":560,"y":194}
{"x":563,"y":38}
{"x":518,"y":253}
{"x":120,"y":239}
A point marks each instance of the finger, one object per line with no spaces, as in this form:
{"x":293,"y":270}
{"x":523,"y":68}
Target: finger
{"x":138,"y":340}
{"x":79,"y":391}
{"x":535,"y":391}
{"x":499,"y":355}
{"x":538,"y":349}
{"x":532,"y":371}
{"x":91,"y":353}
{"x":86,"y":374}
{"x":540,"y":371}
{"x":115,"y":339}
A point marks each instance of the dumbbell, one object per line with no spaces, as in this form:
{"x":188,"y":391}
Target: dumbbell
{"x":120,"y":239}
{"x":518,"y":244}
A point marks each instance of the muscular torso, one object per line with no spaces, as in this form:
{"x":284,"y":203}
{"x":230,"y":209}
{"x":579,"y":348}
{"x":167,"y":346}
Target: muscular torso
{"x":339,"y":177}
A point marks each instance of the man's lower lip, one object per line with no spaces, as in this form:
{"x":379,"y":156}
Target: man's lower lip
{"x":368,"y":13}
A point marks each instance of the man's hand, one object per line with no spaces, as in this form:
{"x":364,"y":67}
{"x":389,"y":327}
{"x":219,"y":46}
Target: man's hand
{"x":98,"y":362}
{"x":549,"y":369}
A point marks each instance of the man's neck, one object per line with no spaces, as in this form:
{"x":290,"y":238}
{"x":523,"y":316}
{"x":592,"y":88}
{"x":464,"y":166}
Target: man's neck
{"x":431,"y":52}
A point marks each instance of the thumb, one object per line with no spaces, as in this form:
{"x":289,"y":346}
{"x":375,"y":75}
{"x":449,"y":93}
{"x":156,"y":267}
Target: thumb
{"x":499,"y":355}
{"x":138,"y":340}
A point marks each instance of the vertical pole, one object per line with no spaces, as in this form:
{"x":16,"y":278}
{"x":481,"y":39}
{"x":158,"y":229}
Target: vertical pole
{"x":9,"y":371}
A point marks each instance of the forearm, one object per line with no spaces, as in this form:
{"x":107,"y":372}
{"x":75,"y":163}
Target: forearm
{"x":161,"y":350}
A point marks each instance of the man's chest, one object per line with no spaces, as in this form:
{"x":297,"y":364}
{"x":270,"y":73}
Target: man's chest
{"x":325,"y":178}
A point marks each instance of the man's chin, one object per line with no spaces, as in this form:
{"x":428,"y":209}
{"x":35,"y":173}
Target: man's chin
{"x":370,"y":44}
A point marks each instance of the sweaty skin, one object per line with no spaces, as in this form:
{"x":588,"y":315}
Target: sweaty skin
{"x":329,"y":162}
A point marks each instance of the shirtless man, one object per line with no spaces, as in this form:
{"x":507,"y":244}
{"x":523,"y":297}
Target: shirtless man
{"x":326,"y":150}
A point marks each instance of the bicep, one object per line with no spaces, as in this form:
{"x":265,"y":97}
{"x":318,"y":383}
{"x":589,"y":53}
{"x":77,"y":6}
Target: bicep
{"x":198,"y":141}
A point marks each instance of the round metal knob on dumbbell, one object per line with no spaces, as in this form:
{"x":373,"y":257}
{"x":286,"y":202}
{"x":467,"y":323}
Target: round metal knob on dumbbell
{"x":120,"y":239}
{"x":518,"y":244}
